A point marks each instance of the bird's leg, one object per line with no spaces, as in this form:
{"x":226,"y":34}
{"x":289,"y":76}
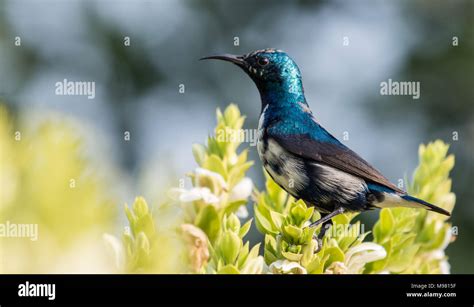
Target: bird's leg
{"x":326,"y":223}
{"x":326,"y":218}
{"x":324,"y":227}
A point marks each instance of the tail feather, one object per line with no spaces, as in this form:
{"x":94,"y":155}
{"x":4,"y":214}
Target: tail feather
{"x":425,"y":204}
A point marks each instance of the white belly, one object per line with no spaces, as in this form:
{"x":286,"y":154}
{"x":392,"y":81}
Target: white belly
{"x":290,"y":173}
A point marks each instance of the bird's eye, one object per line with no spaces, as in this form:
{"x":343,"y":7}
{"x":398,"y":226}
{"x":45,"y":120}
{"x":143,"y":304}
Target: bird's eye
{"x":263,"y":61}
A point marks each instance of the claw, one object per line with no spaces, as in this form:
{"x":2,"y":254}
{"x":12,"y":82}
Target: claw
{"x":320,"y":244}
{"x":319,"y":238}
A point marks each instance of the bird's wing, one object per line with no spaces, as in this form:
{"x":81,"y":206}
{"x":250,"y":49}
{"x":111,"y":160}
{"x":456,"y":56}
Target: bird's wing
{"x":331,"y":153}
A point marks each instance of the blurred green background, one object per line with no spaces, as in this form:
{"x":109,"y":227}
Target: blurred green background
{"x":137,"y":86}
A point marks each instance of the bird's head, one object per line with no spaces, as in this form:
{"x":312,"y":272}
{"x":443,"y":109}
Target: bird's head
{"x":272,"y":70}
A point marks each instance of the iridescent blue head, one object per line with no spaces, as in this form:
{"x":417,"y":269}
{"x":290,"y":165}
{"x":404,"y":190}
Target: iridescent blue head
{"x":276,"y":75}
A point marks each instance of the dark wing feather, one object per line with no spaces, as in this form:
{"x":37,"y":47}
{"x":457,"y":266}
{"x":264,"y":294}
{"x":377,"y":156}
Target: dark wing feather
{"x":333,"y":154}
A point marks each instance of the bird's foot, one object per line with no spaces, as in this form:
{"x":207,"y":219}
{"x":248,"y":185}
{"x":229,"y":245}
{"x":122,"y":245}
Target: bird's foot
{"x":319,"y":243}
{"x":320,"y":237}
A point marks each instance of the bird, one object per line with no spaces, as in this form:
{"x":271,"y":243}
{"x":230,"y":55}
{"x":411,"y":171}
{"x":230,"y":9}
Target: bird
{"x":301,"y":156}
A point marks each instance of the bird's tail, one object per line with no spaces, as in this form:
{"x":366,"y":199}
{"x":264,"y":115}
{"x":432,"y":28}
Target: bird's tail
{"x":424,"y":204}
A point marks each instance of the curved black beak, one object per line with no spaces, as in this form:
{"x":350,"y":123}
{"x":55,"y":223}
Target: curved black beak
{"x":236,"y":59}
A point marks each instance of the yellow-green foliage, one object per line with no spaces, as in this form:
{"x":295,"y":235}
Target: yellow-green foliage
{"x":225,"y":175}
{"x":222,"y":173}
{"x":229,"y":255}
{"x":204,"y":235}
{"x":147,"y":250}
{"x":46,"y":181}
{"x":415,"y":239}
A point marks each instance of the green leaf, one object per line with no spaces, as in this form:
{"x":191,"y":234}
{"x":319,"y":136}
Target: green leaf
{"x":277,"y":219}
{"x":146,"y":225}
{"x":308,"y":253}
{"x":213,"y":148}
{"x":229,"y":246}
{"x":231,"y":114}
{"x":215,"y":164}
{"x":385,"y":225}
{"x":263,"y":225}
{"x":292,"y":256}
{"x":343,"y":219}
{"x":233,"y":223}
{"x":242,"y":157}
{"x":270,"y":242}
{"x":245,"y":229}
{"x":199,"y":153}
{"x":208,"y":220}
{"x":299,"y":212}
{"x":335,"y":254}
{"x":140,"y":207}
{"x":254,"y":251}
{"x":315,"y":266}
{"x":293,"y":232}
{"x":400,"y":260}
{"x":276,"y":194}
{"x":237,"y":173}
{"x":269,"y":256}
{"x":228,"y":269}
{"x":243,"y":254}
{"x":131,"y":218}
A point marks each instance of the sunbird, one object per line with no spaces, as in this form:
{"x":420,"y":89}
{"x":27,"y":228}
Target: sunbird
{"x":304,"y":158}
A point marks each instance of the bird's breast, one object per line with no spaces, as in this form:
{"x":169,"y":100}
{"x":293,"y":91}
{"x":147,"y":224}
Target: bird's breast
{"x":285,"y":169}
{"x":260,"y":135}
